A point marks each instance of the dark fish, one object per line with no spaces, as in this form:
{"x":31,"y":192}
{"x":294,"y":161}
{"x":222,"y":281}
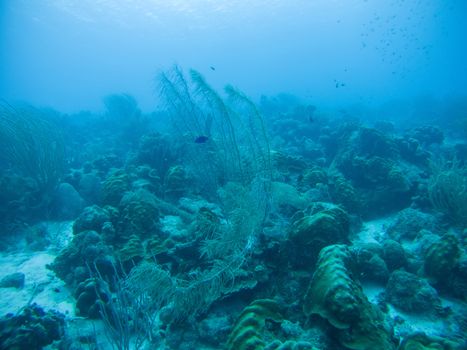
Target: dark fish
{"x":212,"y":68}
{"x":201,"y":139}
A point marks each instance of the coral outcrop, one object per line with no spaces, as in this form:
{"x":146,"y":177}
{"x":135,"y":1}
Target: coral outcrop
{"x":336,"y":296}
{"x":325,"y":224}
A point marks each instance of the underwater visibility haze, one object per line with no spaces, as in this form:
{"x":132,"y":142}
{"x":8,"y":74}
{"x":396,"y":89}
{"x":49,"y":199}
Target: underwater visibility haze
{"x":234,"y":175}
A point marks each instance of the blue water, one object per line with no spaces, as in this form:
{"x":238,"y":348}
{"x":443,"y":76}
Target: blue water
{"x":69,"y":54}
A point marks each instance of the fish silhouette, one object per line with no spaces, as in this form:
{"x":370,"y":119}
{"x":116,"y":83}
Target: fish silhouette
{"x":201,"y":139}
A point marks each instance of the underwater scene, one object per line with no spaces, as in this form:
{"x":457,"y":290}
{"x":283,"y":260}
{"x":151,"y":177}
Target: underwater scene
{"x":237,"y":175}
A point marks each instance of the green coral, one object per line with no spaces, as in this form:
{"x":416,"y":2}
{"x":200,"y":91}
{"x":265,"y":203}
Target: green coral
{"x":139,"y":214}
{"x":336,"y":296}
{"x":314,"y":176}
{"x":343,"y":193}
{"x":132,"y":250}
{"x":156,"y":246}
{"x":442,"y":257}
{"x":289,"y":345}
{"x":114,"y":187}
{"x":326,"y":224}
{"x":247,"y":333}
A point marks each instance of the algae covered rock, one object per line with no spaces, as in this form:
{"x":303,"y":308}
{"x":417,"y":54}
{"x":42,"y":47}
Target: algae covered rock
{"x":409,"y":222}
{"x":13,"y":280}
{"x":31,"y":329}
{"x":410,"y":293}
{"x":394,"y":254}
{"x":337,"y":297}
{"x":442,"y":257}
{"x":446,"y":265}
{"x":86,"y":250}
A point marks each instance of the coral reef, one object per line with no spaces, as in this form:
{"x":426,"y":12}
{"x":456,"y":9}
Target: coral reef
{"x":207,"y":224}
{"x":32,"y":328}
{"x":86,"y":252}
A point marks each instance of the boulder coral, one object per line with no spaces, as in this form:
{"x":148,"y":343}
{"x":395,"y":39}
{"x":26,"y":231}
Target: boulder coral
{"x":139,"y":214}
{"x":251,"y":331}
{"x":325,"y":224}
{"x":441,"y":258}
{"x":114,"y":187}
{"x":247,"y":332}
{"x":337,"y":297}
{"x":410,"y":293}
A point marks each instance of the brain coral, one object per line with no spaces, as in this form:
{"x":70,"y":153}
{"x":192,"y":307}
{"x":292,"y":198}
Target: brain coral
{"x":336,"y":296}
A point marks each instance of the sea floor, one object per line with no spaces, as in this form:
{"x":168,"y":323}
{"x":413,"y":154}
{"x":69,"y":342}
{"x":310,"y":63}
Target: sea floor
{"x":49,"y":292}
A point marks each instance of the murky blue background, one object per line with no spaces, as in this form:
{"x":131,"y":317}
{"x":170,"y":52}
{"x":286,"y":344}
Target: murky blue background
{"x":69,"y":54}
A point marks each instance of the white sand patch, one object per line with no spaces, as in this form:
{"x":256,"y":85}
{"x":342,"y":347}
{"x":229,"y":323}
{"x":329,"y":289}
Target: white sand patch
{"x":41,"y":286}
{"x":173,"y":225}
{"x":373,"y":231}
{"x":60,"y":233}
{"x":48,"y":290}
{"x":431,"y":325}
{"x":372,"y":291}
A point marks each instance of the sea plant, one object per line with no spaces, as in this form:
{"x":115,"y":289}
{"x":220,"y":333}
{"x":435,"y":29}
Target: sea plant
{"x":32,"y":146}
{"x":447,"y":189}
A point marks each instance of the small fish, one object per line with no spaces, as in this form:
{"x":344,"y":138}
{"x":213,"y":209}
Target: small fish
{"x":212,"y":68}
{"x":339,"y":84}
{"x":201,"y":139}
